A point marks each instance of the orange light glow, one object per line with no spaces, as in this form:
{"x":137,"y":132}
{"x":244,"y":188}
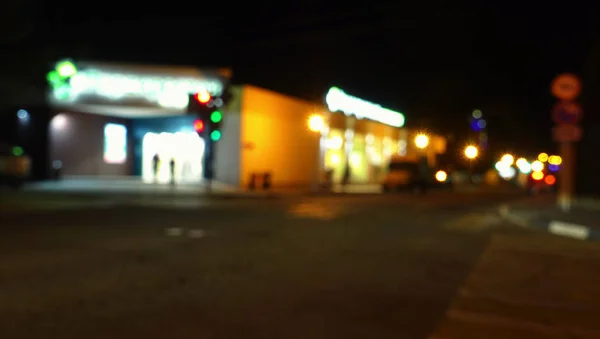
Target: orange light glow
{"x":316,"y":123}
{"x":203,"y":97}
{"x":471,"y":152}
{"x":199,"y":126}
{"x":550,"y":180}
{"x":537,"y":175}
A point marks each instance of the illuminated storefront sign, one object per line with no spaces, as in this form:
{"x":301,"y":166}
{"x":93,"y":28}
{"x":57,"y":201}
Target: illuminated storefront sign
{"x":69,"y":84}
{"x":115,"y":144}
{"x":338,"y":100}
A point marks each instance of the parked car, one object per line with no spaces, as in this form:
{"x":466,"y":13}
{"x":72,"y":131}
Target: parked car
{"x":405,"y":175}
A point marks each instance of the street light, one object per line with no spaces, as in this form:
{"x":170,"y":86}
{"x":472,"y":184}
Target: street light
{"x":421,"y":141}
{"x":471,"y":152}
{"x":316,"y":123}
{"x":441,"y":176}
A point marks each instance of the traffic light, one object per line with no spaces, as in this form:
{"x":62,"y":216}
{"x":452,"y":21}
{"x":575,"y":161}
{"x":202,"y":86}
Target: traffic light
{"x":202,"y":97}
{"x":200,"y":104}
{"x":206,"y":107}
{"x":199,"y":126}
{"x":216,"y":118}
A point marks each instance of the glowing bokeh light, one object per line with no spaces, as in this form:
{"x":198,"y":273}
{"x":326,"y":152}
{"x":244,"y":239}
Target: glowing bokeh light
{"x":316,"y":123}
{"x":500,"y":166}
{"x":543,"y":157}
{"x":537,"y":175}
{"x":471,"y":152}
{"x":508,"y":173}
{"x":421,"y":141}
{"x":550,"y":179}
{"x":525,"y":168}
{"x":203,"y":97}
{"x":441,"y":176}
{"x":537,"y":166}
{"x":507,"y":159}
{"x":554,"y":160}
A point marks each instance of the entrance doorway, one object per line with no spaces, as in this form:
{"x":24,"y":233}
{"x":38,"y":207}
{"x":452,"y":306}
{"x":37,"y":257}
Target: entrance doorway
{"x":186,"y":148}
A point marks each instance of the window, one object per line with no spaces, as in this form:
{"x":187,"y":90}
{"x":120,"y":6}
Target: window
{"x":115,"y":144}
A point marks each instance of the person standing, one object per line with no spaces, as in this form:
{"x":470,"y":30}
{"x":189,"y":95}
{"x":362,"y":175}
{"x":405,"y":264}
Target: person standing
{"x":155,"y":164}
{"x":172,"y":170}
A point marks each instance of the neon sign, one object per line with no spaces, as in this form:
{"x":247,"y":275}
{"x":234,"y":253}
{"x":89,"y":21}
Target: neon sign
{"x":338,"y":100}
{"x":69,"y":84}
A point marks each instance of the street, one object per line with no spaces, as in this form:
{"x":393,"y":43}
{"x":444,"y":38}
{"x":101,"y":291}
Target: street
{"x":368,"y":266}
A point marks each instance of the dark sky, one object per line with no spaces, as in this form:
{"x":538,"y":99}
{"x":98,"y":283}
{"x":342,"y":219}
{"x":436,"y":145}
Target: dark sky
{"x":434,"y":61}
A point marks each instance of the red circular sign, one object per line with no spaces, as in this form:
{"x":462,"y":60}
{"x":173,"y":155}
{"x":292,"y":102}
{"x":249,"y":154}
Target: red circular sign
{"x":566,"y":86}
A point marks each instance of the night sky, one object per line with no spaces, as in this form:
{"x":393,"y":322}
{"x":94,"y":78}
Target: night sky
{"x":433,"y":61}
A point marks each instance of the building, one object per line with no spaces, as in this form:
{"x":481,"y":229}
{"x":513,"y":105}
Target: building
{"x":110,"y":120}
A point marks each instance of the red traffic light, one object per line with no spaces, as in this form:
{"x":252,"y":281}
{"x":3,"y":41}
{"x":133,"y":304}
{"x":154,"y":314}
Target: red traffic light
{"x":202,"y":97}
{"x":199,"y":126}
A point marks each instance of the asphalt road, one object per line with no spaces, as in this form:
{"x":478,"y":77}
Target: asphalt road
{"x":302,"y":267}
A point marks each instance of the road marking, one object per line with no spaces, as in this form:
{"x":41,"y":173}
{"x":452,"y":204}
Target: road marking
{"x":174,"y":232}
{"x":569,"y":230}
{"x":196,"y":233}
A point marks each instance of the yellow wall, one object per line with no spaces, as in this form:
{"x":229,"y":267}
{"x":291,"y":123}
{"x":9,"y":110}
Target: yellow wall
{"x":275,"y":137}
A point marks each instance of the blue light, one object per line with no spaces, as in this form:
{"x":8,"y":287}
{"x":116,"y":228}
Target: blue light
{"x":22,"y":114}
{"x":478,"y":125}
{"x":553,"y":168}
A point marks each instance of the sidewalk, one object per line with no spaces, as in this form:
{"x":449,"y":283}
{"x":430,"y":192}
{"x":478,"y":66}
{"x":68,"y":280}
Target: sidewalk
{"x":127,"y":187}
{"x":531,"y":286}
{"x":582,"y":222}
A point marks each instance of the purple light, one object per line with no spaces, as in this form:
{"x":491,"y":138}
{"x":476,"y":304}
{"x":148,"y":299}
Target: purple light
{"x":553,"y":168}
{"x":475,"y":125}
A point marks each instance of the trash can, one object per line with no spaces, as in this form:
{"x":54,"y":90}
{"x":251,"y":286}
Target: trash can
{"x":266,"y":181}
{"x":252,"y":182}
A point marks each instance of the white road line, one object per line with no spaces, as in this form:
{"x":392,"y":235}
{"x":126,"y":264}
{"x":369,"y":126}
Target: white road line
{"x":196,"y":233}
{"x":569,"y":230}
{"x":174,"y":232}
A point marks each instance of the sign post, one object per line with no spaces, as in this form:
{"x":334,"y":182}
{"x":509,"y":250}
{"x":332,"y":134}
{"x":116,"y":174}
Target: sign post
{"x":567,"y":115}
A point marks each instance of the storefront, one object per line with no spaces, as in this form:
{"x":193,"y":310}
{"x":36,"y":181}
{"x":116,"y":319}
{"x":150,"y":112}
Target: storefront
{"x":363,"y":137}
{"x":110,"y":120}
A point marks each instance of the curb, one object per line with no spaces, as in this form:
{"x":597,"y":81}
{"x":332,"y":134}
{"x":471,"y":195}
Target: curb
{"x":555,"y":227}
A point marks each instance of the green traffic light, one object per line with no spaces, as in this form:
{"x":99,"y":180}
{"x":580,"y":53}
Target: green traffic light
{"x":216,"y":116}
{"x":17,"y":151}
{"x":215,"y":135}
